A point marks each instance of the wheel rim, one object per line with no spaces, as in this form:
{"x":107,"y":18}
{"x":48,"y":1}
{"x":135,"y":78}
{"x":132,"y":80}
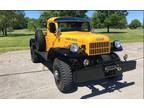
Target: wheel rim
{"x":56,"y":75}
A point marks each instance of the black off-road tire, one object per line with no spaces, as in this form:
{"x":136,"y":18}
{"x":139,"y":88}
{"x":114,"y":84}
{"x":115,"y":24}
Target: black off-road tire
{"x":64,"y":81}
{"x":40,"y":40}
{"x":34,"y":56}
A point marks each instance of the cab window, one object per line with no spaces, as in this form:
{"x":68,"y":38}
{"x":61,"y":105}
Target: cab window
{"x":52,"y":27}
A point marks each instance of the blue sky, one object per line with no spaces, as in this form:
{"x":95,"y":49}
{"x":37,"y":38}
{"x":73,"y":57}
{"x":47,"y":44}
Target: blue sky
{"x":131,"y":15}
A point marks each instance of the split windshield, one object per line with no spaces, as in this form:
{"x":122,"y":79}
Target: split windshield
{"x":74,"y":26}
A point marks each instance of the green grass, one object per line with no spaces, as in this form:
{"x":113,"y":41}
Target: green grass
{"x":124,"y":35}
{"x":19,"y":39}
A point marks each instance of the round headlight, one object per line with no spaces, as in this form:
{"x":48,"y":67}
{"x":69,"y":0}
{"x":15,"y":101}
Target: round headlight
{"x":117,"y":44}
{"x":74,"y":48}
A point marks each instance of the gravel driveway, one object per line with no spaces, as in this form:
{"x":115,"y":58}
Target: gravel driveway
{"x":20,"y":78}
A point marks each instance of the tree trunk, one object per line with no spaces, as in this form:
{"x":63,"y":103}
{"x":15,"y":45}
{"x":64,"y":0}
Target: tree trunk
{"x":5,"y":31}
{"x":2,"y":31}
{"x":108,"y":29}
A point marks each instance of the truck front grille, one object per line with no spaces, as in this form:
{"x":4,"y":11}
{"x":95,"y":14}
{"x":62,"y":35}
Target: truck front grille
{"x":99,"y":48}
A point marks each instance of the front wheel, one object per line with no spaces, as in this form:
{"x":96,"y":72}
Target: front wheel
{"x":63,"y":76}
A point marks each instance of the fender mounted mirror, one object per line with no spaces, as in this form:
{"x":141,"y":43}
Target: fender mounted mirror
{"x":58,"y":32}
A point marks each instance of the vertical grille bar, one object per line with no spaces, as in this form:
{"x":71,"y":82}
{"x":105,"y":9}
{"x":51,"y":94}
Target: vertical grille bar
{"x":99,"y":48}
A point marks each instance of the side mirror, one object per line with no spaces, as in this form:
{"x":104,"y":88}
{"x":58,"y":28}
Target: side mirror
{"x":58,"y":33}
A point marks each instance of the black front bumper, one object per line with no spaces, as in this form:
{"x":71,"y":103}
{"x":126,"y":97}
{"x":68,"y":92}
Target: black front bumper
{"x":103,"y":70}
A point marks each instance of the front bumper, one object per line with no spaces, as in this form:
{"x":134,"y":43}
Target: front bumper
{"x":103,"y":70}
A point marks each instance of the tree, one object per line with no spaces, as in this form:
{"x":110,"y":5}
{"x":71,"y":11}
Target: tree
{"x":95,"y":21}
{"x":21,"y":21}
{"x":8,"y":19}
{"x":32,"y":23}
{"x":135,"y":24}
{"x":61,"y":13}
{"x":115,"y":19}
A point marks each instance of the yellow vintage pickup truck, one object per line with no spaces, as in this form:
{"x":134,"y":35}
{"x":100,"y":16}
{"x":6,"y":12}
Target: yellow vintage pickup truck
{"x":76,"y":54}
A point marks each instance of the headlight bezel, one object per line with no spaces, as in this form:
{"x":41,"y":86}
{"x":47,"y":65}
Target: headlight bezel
{"x":117,"y":45}
{"x":74,"y":48}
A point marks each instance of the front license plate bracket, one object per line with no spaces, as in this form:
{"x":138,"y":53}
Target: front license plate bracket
{"x":111,"y":70}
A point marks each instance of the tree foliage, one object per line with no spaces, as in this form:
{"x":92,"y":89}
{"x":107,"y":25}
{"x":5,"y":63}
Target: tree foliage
{"x":32,"y":23}
{"x":99,"y":19}
{"x":7,"y":18}
{"x":115,"y":19}
{"x":10,"y":19}
{"x":21,"y":21}
{"x":135,"y":24}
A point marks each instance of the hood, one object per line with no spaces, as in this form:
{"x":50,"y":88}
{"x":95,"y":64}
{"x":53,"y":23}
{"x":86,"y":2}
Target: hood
{"x":84,"y":36}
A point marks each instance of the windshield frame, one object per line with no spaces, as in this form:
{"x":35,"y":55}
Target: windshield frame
{"x":88,"y":26}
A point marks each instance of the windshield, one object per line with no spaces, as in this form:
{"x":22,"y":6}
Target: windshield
{"x":74,"y":26}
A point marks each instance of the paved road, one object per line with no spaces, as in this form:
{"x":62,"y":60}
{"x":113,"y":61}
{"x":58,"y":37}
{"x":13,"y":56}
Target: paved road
{"x":20,"y":78}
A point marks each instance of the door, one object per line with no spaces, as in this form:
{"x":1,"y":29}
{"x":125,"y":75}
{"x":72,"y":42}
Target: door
{"x":51,"y":39}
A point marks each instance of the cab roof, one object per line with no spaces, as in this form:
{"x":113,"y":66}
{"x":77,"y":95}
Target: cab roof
{"x":68,"y":19}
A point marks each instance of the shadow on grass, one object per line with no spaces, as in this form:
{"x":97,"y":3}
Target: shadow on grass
{"x":17,"y":35}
